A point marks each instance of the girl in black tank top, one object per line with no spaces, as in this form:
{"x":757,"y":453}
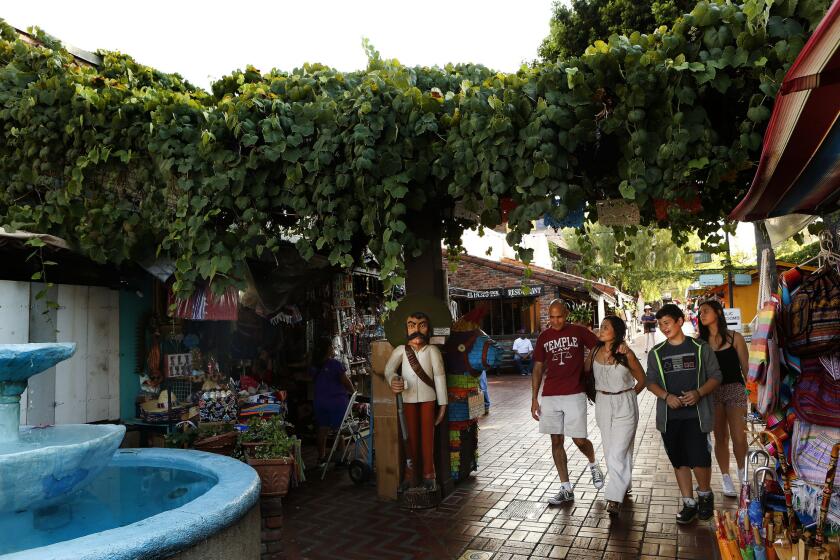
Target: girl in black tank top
{"x":730,"y":364}
{"x":730,"y":398}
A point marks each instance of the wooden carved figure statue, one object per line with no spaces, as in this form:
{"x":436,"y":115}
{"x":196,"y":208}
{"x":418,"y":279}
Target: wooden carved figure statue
{"x":416,"y":374}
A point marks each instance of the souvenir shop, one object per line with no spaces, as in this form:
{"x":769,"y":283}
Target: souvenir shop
{"x":216,"y":367}
{"x":788,"y":507}
{"x":791,"y":508}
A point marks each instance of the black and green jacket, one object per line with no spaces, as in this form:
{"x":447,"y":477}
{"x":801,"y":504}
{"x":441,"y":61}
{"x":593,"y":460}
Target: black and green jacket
{"x":707,"y":368}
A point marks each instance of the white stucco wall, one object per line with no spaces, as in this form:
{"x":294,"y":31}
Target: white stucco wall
{"x":477,"y":246}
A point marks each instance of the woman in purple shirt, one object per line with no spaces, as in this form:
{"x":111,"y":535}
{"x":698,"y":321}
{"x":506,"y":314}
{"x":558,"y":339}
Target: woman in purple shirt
{"x":331,"y":394}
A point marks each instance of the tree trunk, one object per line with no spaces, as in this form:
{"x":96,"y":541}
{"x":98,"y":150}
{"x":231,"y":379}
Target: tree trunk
{"x":425,"y":275}
{"x":762,"y":241}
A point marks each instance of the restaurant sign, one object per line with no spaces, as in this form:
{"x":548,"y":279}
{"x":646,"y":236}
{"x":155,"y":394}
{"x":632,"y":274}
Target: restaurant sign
{"x":497,"y":293}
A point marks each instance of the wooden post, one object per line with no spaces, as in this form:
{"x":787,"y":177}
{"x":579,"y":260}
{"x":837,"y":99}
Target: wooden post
{"x":386,"y":436}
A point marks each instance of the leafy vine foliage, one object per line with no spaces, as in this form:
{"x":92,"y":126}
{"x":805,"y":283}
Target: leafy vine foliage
{"x":123,"y":160}
{"x":576,"y":25}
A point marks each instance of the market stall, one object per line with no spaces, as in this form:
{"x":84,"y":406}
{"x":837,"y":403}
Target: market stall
{"x":792,"y":508}
{"x":215,"y":363}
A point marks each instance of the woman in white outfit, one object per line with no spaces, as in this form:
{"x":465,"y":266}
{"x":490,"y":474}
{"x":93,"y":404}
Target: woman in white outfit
{"x":619,"y":377}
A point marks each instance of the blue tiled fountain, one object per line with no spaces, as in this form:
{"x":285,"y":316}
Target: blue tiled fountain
{"x":38,"y":466}
{"x":67,"y":492}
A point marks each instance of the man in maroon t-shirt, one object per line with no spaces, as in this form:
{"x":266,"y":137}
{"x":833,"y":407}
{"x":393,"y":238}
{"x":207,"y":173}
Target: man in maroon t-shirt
{"x":559,"y":353}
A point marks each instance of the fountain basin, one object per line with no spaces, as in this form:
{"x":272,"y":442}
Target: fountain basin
{"x":19,"y":362}
{"x":47,"y":463}
{"x":216,"y":512}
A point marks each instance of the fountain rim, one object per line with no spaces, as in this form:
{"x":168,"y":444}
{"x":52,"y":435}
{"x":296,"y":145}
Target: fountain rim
{"x":236,"y":491}
{"x":95,"y":432}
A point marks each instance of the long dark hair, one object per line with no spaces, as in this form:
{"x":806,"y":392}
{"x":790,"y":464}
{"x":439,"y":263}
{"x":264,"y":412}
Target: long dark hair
{"x":620,"y":330}
{"x":321,"y":351}
{"x":723,"y":331}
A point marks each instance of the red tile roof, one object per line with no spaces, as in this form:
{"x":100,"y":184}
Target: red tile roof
{"x":555,"y":277}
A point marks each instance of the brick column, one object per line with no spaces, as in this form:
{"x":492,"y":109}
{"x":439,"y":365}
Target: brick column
{"x":271,"y":529}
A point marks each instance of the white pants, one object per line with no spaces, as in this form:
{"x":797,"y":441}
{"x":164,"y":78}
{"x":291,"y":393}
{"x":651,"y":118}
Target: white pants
{"x":617,"y":417}
{"x":650,"y":340}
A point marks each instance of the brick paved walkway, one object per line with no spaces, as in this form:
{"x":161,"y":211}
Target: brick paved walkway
{"x":334,"y":519}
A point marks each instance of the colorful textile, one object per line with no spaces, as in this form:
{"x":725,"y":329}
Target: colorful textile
{"x":807,"y":498}
{"x":768,"y":387}
{"x":218,"y":406}
{"x":811,"y":450}
{"x":461,"y":381}
{"x":266,"y":409}
{"x":204,"y":305}
{"x":811,"y":322}
{"x":816,"y":396}
{"x":765,"y":321}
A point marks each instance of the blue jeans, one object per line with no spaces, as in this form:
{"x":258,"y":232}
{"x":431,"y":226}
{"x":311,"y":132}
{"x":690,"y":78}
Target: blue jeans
{"x":522,"y":364}
{"x":482,"y":384}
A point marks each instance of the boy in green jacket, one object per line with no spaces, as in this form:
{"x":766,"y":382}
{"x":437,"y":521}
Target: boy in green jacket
{"x":682,"y":372}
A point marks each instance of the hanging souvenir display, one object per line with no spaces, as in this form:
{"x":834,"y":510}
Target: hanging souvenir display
{"x":343,"y":291}
{"x":795,"y":372}
{"x":204,"y":305}
{"x":572,"y":219}
{"x":218,"y":406}
{"x":618,"y":212}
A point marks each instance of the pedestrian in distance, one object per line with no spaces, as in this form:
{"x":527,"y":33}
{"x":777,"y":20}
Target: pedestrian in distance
{"x":561,"y":411}
{"x":730,"y":397}
{"x":649,"y":326}
{"x":482,"y":384}
{"x":682,"y":373}
{"x":619,"y":377}
{"x":523,"y":351}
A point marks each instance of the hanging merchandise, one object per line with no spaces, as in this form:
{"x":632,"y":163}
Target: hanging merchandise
{"x":811,"y":449}
{"x":288,"y":315}
{"x":812,"y":321}
{"x":218,"y":406}
{"x":794,"y":380}
{"x":769,"y":386}
{"x":618,"y":212}
{"x":204,"y":305}
{"x":816,"y":396}
{"x":759,"y":348}
{"x":343,"y":291}
{"x":573,"y":219}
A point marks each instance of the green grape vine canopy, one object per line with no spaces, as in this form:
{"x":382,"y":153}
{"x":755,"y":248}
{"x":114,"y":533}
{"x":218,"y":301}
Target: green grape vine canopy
{"x":123,"y":161}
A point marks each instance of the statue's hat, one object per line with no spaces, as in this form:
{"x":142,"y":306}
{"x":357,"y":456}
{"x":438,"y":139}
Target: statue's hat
{"x":435,"y":308}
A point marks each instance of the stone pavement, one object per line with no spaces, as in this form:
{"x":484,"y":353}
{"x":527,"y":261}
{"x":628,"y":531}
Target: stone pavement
{"x":502,"y":510}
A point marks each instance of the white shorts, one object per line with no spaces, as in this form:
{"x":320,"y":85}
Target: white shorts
{"x":563,"y":415}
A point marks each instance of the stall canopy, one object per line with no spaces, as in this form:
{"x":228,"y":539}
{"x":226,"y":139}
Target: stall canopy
{"x":799,"y":169}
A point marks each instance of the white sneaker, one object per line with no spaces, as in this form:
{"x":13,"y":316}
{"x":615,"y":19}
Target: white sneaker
{"x":563,"y":497}
{"x":597,"y":476}
{"x":728,"y":487}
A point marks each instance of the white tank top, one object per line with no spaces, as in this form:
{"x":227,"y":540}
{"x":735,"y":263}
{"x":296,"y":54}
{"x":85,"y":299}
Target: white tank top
{"x":611,"y":378}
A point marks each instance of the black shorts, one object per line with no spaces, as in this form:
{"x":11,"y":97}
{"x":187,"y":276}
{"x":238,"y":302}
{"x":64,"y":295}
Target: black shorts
{"x":686,"y":445}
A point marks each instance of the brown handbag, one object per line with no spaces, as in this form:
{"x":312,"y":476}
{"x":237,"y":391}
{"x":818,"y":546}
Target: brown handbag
{"x":589,"y":377}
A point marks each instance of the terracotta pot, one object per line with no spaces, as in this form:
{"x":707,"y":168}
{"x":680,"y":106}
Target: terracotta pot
{"x":275,"y":474}
{"x":222,"y":444}
{"x":251,"y":446}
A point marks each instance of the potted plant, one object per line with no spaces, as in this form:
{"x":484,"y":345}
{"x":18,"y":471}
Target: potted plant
{"x":216,"y":437}
{"x":271,"y":452}
{"x":580,"y":314}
